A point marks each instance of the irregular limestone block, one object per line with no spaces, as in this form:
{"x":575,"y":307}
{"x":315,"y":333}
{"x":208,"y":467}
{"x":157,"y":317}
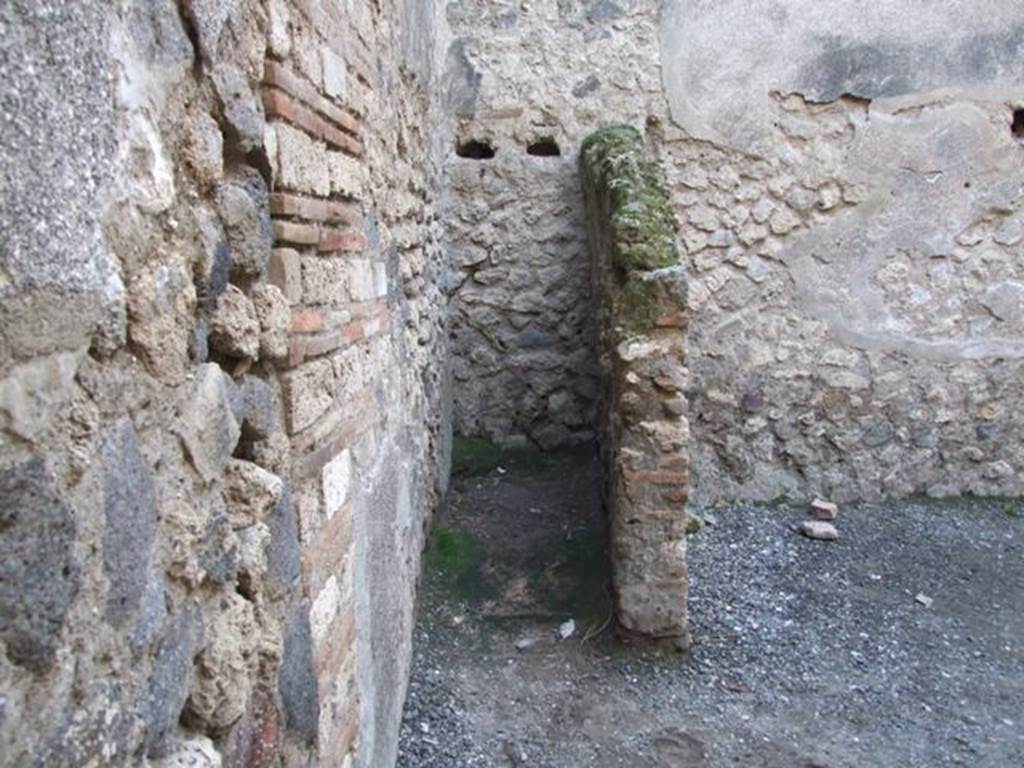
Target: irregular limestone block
{"x":161,"y":318}
{"x":197,"y":752}
{"x":273,"y":314}
{"x":204,"y":150}
{"x":222,"y":684}
{"x":249,"y":492}
{"x":33,"y":392}
{"x":234,"y":327}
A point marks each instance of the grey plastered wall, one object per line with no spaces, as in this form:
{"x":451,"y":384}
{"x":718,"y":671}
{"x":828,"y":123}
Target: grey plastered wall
{"x":403,"y":463}
{"x":852,"y":196}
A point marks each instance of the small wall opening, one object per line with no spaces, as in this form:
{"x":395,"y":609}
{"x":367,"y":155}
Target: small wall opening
{"x":474,"y":149}
{"x":546,"y":147}
{"x":1017,"y":125}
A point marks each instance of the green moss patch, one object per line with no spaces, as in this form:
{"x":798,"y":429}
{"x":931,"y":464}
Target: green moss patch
{"x":615,"y":160}
{"x":457,"y":558}
{"x":639,"y":306}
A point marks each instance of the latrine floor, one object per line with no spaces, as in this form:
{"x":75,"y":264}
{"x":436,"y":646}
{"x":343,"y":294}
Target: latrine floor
{"x":806,"y":653}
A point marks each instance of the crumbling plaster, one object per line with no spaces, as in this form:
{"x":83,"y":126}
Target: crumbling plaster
{"x":851,"y":196}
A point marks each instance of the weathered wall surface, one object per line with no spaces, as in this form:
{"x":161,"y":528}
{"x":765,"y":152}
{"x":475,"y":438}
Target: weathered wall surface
{"x":851,"y":195}
{"x":522,"y":318}
{"x":224,"y":395}
{"x":220,"y":390}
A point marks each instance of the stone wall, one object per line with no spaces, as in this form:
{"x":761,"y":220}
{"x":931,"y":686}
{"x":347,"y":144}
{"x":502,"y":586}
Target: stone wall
{"x":522,"y":318}
{"x":222,"y":404}
{"x":232,"y":232}
{"x":850,"y":192}
{"x":640,"y":293}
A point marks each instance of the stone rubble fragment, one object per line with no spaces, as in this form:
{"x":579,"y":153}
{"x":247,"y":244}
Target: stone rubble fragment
{"x":273,"y":314}
{"x":566,"y":629}
{"x":197,"y":752}
{"x":250,"y":492}
{"x":824,"y":510}
{"x":819,"y":530}
{"x":234,"y":327}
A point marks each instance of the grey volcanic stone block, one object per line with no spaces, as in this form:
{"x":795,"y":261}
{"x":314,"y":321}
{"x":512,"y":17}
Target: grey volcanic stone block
{"x":214,"y":271}
{"x":296,"y":678}
{"x":207,"y":422}
{"x":39,"y":576}
{"x":260,"y":419}
{"x":283,"y":552}
{"x":209,"y":18}
{"x":218,"y":552}
{"x":169,"y":680}
{"x":244,"y":207}
{"x":129,"y":509}
{"x":603,"y":11}
{"x":242,"y":111}
{"x":156,"y":30}
{"x":154,"y":612}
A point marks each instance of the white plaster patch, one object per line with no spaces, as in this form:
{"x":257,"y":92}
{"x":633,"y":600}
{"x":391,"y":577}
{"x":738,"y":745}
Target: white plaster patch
{"x":337,"y":476}
{"x":335,"y":74}
{"x":380,"y":279}
{"x":361,"y":280}
{"x":325,"y":608}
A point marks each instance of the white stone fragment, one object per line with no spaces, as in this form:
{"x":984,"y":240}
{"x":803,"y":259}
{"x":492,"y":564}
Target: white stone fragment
{"x":819,"y":530}
{"x":566,"y":630}
{"x":824,"y":510}
{"x":335,"y":74}
{"x":337,"y":476}
{"x":325,"y":608}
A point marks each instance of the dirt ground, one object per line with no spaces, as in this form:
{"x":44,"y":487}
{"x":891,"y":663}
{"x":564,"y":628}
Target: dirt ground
{"x":805,"y":653}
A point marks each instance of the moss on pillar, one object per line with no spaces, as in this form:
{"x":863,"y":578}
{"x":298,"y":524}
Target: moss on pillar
{"x":614,"y":159}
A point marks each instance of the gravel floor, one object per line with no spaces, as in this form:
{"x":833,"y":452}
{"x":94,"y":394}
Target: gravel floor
{"x":806,"y":653}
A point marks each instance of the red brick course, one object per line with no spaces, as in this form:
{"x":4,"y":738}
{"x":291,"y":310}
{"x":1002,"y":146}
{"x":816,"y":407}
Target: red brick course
{"x":279,"y":76}
{"x":280,"y":105}
{"x":326,"y":239}
{"x":307,"y":321}
{"x":315,"y":209}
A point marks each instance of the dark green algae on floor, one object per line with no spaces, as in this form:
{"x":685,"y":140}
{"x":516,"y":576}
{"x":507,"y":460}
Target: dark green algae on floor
{"x":522,"y":536}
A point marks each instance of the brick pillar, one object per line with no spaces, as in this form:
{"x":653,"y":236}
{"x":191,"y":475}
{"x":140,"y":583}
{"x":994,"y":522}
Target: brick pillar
{"x":640,"y":293}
